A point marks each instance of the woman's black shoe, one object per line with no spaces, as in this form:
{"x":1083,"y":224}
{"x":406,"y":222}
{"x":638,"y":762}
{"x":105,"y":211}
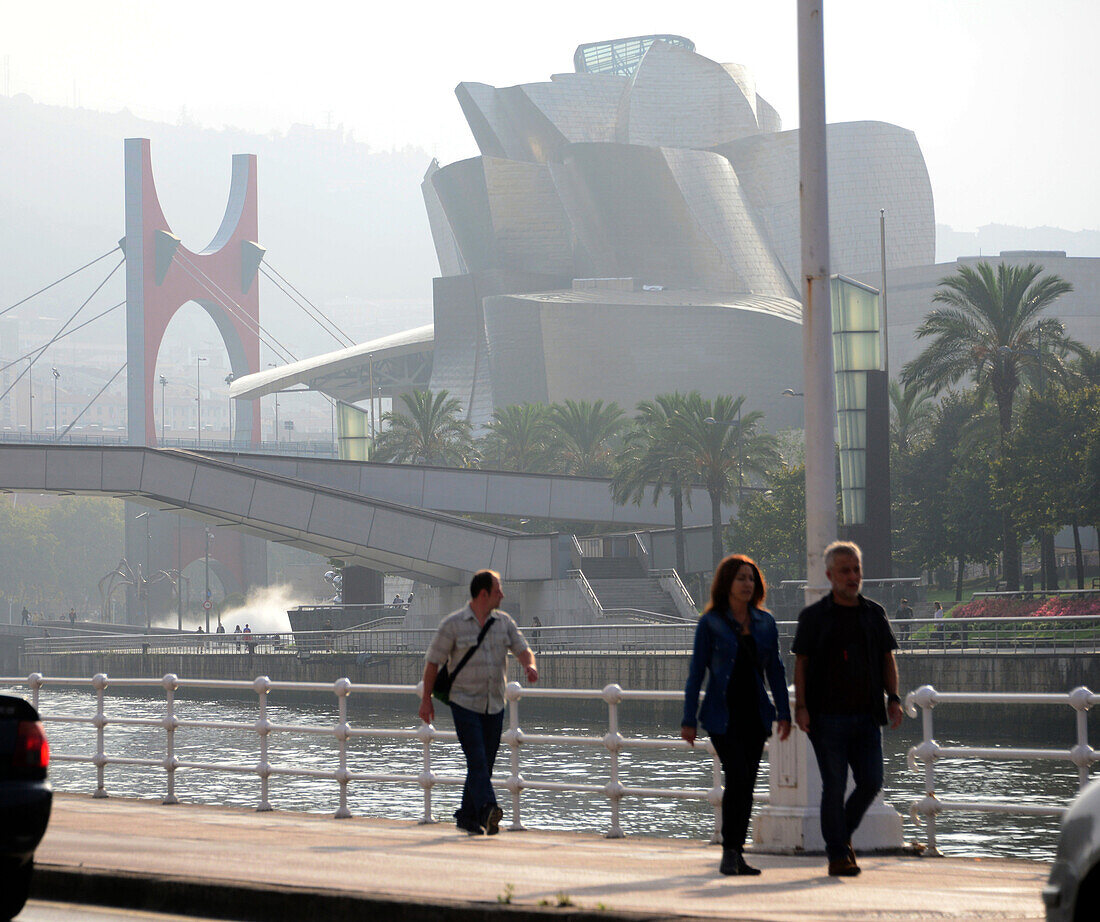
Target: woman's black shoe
{"x":733,"y":864}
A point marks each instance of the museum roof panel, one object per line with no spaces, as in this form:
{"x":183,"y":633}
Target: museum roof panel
{"x":784,"y":308}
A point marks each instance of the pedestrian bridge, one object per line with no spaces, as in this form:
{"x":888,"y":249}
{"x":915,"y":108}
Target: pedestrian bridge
{"x":396,"y":518}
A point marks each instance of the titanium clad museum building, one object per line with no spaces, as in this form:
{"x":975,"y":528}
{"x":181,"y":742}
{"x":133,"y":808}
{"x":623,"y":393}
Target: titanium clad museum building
{"x":630,"y":229}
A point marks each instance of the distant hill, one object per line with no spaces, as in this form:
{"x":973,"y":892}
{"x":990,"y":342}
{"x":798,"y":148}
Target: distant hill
{"x":344,"y":223}
{"x":991,"y":239}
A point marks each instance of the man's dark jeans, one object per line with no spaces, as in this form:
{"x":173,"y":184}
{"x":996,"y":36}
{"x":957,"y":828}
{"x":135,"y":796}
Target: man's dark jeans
{"x":479,"y":737}
{"x":841,"y":741}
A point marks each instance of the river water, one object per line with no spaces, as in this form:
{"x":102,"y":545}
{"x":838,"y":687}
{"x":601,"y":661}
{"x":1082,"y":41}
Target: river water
{"x":1035,"y":782}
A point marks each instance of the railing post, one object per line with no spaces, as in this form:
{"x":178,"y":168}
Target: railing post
{"x":342,"y":687}
{"x":99,"y":683}
{"x":35,"y":682}
{"x":263,"y":727}
{"x":1082,"y":754}
{"x":928,"y":751}
{"x":514,"y":739}
{"x":714,"y":795}
{"x":170,"y":723}
{"x":613,"y":694}
{"x":426,"y":733}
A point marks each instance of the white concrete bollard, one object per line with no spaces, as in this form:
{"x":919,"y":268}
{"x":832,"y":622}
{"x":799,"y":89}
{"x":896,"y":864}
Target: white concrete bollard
{"x":791,"y":822}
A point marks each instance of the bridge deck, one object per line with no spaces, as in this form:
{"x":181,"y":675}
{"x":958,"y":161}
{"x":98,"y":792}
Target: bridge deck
{"x":186,"y":854}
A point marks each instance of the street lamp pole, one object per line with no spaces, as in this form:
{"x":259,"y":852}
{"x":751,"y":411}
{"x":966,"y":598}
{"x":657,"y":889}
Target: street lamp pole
{"x":198,"y":387}
{"x":163,"y":383}
{"x":30,"y":397}
{"x":229,"y":379}
{"x":817,"y":354}
{"x":56,"y":376}
{"x":206,"y":597}
{"x":143,"y":580}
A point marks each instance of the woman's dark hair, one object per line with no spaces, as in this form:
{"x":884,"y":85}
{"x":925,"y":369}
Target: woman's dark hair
{"x":723,"y":582}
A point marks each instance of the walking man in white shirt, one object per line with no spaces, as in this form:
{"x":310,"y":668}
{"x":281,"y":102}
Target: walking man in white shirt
{"x":477,"y":691}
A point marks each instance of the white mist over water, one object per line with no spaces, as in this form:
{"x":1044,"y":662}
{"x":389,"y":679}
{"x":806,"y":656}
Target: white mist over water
{"x":264,"y":611}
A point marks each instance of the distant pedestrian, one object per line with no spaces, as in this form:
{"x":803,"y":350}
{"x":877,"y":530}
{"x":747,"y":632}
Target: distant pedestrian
{"x":473,"y":643}
{"x":72,"y":616}
{"x":248,"y":644}
{"x":938,"y":616}
{"x":237,"y":632}
{"x":536,"y":623}
{"x":902,"y":620}
{"x":846,"y":688}
{"x":397,"y":600}
{"x":26,"y":616}
{"x":221,"y":628}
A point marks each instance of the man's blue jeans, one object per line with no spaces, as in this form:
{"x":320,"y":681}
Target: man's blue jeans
{"x":841,"y":741}
{"x":479,"y":737}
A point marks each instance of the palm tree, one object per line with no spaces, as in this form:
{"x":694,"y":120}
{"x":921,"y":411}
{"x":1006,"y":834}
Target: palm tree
{"x":653,"y":458}
{"x":912,"y":411}
{"x":724,"y":445}
{"x":429,"y":431}
{"x":991,"y":331}
{"x":585,"y":434}
{"x":520,"y":438}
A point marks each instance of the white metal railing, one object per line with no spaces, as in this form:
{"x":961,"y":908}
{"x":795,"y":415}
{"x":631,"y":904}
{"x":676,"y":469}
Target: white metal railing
{"x":590,"y":547}
{"x":594,"y":606}
{"x":672,"y":584}
{"x":930,"y":752}
{"x":952,"y":636}
{"x":426,"y":779}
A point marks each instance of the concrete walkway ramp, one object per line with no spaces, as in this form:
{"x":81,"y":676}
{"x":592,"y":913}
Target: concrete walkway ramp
{"x":206,"y":860}
{"x":432,"y":547}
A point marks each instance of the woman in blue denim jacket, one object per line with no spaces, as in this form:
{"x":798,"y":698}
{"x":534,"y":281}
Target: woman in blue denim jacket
{"x":737,"y":644}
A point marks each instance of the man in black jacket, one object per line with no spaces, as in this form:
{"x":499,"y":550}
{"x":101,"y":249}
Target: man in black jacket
{"x":846,"y":688}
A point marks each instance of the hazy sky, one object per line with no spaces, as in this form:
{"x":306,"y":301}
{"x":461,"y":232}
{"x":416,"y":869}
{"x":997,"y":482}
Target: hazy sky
{"x":1001,"y":93}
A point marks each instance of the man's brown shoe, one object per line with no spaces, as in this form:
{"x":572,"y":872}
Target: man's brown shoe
{"x":843,"y":867}
{"x":851,"y":853}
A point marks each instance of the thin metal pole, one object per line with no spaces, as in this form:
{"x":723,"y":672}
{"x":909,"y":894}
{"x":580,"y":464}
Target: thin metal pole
{"x":885,"y":314}
{"x":370,"y":374}
{"x":817,"y":347}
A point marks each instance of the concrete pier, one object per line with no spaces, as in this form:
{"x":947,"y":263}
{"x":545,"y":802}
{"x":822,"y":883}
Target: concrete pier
{"x":233,"y":862}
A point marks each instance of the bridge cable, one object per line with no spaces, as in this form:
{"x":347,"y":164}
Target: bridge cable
{"x":234,"y":308}
{"x":58,"y":282}
{"x":88,"y":405}
{"x":58,"y":334}
{"x":79,"y":326}
{"x":239,"y":312}
{"x":322,"y":319}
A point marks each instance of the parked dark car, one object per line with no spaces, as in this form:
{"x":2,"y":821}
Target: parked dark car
{"x":25,"y":799}
{"x":1072,"y":893}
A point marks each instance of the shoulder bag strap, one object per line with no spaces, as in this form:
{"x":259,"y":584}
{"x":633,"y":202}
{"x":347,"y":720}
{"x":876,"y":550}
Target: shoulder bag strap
{"x":465,"y":659}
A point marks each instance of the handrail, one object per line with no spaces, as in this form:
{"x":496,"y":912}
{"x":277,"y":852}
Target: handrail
{"x":674,"y":586}
{"x":587,"y":591}
{"x":426,"y":778}
{"x":930,"y":752}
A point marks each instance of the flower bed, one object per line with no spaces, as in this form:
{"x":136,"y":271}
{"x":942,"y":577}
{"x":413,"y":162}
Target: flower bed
{"x":1053,"y":607}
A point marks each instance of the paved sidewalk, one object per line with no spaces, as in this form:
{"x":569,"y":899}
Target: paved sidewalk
{"x":276,"y":866}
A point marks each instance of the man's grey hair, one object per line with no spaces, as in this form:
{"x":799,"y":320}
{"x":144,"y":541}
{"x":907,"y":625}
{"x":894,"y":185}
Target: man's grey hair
{"x":842,"y":549}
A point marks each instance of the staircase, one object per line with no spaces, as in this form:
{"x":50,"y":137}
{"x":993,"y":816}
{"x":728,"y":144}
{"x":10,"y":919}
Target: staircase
{"x":643,"y":593}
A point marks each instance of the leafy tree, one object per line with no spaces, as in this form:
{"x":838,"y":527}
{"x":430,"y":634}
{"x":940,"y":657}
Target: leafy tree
{"x":429,"y":431}
{"x":54,"y":556}
{"x":653,"y":457}
{"x":1049,"y":455}
{"x":911,"y":412}
{"x":520,"y":437}
{"x":585,"y":435}
{"x":724,"y":444}
{"x":944,"y":511}
{"x":771,"y":526}
{"x":991,"y":332}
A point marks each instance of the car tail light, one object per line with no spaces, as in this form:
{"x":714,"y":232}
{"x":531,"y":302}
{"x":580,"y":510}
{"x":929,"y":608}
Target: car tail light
{"x":32,"y":749}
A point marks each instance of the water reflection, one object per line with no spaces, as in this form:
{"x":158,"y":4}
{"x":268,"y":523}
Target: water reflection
{"x":1049,"y":783}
